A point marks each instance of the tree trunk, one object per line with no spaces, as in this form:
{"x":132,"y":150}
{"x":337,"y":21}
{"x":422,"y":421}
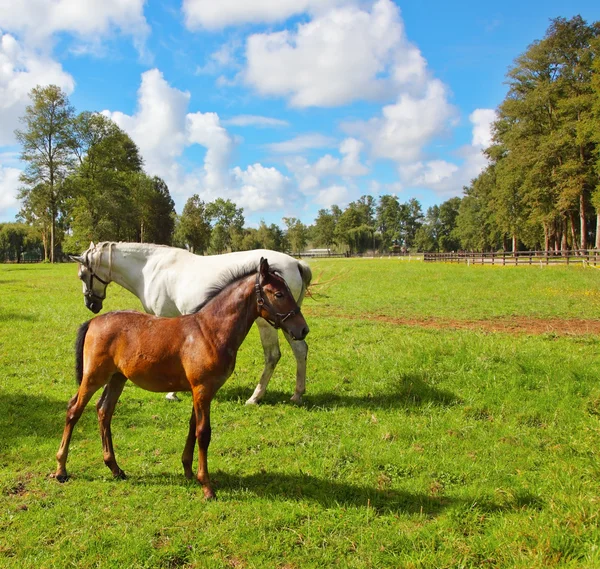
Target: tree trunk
{"x":583,"y":222}
{"x":598,"y":230}
{"x":514,"y":244}
{"x":563,"y":239}
{"x":573,"y":232}
{"x":546,"y":237}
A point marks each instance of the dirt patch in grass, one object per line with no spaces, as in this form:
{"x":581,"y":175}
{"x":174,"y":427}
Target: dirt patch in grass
{"x":512,"y":325}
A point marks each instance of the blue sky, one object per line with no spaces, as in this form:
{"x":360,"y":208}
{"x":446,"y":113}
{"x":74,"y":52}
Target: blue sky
{"x":283,"y":106}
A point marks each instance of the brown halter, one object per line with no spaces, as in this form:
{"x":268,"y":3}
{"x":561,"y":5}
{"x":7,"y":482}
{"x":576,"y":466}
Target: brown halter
{"x":275,"y":318}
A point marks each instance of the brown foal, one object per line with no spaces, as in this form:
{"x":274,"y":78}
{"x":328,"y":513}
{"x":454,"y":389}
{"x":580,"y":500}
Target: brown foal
{"x":196,"y":353}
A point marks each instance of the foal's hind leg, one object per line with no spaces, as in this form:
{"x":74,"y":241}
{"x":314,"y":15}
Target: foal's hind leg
{"x":270,"y":342}
{"x":105,"y":408}
{"x":74,"y":410}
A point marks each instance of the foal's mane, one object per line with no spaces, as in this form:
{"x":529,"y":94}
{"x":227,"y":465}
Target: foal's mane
{"x":229,"y":277}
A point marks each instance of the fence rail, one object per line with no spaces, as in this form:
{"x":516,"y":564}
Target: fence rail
{"x":579,"y":256}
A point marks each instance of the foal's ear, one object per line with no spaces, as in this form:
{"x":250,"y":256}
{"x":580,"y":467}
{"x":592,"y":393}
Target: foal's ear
{"x":263,"y":268}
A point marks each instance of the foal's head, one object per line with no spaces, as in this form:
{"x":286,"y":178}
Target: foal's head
{"x":276,"y":303}
{"x":94,"y":287}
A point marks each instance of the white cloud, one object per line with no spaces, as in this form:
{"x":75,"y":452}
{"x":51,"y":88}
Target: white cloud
{"x":163,"y":129}
{"x":205,"y":129}
{"x":309,"y":176}
{"x":446,"y":178}
{"x":338,"y":195}
{"x":301,"y":143}
{"x":405,"y":127}
{"x":39,"y":20}
{"x":482,"y":120}
{"x":224,"y":57}
{"x":214,"y":15}
{"x":9,"y":184}
{"x":339,"y":56}
{"x":256,"y":120}
{"x":158,"y":126}
{"x":261,"y":189}
{"x":21,"y":69}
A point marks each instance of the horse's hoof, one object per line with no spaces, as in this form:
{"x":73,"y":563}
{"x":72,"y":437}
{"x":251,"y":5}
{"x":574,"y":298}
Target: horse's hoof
{"x":209,"y":494}
{"x":252,"y":401}
{"x":172,"y":397}
{"x":297,"y":399}
{"x":62,"y":478}
{"x":120,"y":475}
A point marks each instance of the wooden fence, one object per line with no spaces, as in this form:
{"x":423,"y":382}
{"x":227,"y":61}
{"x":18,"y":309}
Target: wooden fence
{"x":503,"y":258}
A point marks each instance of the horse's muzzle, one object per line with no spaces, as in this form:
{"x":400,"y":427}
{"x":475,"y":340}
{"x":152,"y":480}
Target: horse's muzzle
{"x":94,"y":305}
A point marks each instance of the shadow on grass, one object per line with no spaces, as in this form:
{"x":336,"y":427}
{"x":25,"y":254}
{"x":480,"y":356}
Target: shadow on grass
{"x":331,"y":494}
{"x":23,"y":415}
{"x":411,"y":392}
{"x":11,"y":316}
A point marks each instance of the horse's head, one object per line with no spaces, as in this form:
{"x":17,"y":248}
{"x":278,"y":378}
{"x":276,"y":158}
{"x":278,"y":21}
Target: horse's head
{"x":277,"y":305}
{"x":94,"y":287}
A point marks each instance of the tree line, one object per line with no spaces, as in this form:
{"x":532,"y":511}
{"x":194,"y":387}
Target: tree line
{"x":84,"y":179}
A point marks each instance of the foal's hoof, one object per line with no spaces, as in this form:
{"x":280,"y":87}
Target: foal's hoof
{"x":209,"y":494}
{"x":297,"y":399}
{"x":252,"y":401}
{"x":172,"y":397}
{"x":120,"y":475}
{"x":61,"y":477}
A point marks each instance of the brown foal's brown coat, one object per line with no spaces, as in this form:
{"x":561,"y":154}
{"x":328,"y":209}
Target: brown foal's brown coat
{"x":196,"y":353}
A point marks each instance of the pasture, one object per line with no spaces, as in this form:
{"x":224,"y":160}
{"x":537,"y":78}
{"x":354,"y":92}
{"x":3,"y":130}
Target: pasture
{"x":452,"y":419}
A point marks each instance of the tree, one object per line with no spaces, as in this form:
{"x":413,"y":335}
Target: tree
{"x":227,"y":225}
{"x":193,"y":229}
{"x":324,"y":228}
{"x":47,"y":150}
{"x":111,"y":198}
{"x":295,"y":234}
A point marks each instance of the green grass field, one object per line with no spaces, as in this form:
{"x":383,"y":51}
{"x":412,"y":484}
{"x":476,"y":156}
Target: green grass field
{"x":422,"y":443}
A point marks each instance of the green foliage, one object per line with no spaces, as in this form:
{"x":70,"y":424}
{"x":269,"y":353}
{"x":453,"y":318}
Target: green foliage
{"x":46,"y":148}
{"x":545,"y":145}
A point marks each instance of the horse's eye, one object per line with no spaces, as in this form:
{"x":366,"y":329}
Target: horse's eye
{"x":278,"y":294}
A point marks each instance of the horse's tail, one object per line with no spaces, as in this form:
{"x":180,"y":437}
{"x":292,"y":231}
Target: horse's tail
{"x":81,"y":333}
{"x":306,"y":274}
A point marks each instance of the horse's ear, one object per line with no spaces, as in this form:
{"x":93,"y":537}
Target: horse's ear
{"x":263,"y":268}
{"x":91,"y":245}
{"x":76,"y":258}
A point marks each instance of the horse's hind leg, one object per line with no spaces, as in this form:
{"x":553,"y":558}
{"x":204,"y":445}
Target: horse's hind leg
{"x":74,"y":410}
{"x":105,"y":408}
{"x":270,"y":342}
{"x":300,"y":349}
{"x":188,"y":451}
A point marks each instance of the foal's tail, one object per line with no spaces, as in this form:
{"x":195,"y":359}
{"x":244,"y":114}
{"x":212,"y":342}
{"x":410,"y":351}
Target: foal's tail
{"x":306,"y":274}
{"x":79,"y":350}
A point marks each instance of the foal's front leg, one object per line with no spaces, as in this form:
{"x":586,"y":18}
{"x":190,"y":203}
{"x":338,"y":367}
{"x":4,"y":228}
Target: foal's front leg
{"x":203,"y":434}
{"x":188,"y":451}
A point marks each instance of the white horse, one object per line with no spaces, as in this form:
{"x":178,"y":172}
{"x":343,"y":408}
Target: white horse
{"x":170,"y":282}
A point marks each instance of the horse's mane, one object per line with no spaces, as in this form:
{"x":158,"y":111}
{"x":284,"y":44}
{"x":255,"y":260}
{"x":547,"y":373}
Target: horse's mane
{"x":228,"y":278}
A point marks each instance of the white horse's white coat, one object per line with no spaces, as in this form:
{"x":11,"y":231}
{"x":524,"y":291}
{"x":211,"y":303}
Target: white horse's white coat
{"x":171,"y":281}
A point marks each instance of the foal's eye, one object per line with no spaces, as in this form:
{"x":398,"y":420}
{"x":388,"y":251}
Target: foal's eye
{"x":278,"y":294}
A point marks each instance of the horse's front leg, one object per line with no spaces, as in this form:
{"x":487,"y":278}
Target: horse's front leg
{"x":105,"y":408}
{"x":203,"y":434}
{"x":300,"y":349}
{"x":270,"y":343}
